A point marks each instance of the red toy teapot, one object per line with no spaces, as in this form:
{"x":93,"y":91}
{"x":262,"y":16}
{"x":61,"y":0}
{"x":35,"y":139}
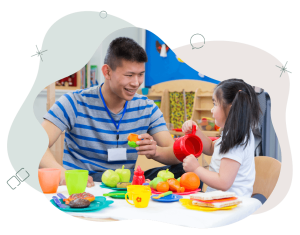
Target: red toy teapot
{"x":188,"y":144}
{"x":138,"y":178}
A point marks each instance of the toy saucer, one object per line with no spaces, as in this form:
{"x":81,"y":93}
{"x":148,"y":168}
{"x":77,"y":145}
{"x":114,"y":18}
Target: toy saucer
{"x":96,"y":205}
{"x":102,"y":185}
{"x":187,"y":203}
{"x":184,"y":193}
{"x":169,"y":198}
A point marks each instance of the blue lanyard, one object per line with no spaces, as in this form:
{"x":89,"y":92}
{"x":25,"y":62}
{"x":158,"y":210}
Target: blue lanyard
{"x":108,"y":112}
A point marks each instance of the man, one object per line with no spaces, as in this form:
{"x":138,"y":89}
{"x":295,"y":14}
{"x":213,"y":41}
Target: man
{"x":98,"y":120}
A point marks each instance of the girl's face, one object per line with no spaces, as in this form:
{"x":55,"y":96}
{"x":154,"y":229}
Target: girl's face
{"x":218,"y":113}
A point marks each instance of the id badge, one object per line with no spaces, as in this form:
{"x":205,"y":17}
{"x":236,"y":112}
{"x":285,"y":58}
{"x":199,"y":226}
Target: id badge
{"x":117,"y":154}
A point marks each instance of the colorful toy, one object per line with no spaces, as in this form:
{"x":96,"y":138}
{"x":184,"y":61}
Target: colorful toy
{"x":190,"y":181}
{"x":155,"y":181}
{"x":162,"y":187}
{"x":163,"y":195}
{"x":207,"y":124}
{"x":124,"y":174}
{"x":132,"y":139}
{"x":76,"y":180}
{"x":140,"y":197}
{"x":175,"y":186}
{"x":84,"y":195}
{"x":110,"y":178}
{"x":138,"y":178}
{"x":188,"y":144}
{"x":165,"y":174}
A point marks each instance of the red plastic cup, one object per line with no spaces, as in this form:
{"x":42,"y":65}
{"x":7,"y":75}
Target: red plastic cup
{"x":188,"y":144}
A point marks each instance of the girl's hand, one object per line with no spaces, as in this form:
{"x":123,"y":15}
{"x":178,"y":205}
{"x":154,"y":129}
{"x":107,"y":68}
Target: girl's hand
{"x":188,"y":126}
{"x":190,"y":163}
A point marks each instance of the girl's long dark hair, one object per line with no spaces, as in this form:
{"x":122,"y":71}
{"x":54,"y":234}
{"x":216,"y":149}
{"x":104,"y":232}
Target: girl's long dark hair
{"x":243,"y":114}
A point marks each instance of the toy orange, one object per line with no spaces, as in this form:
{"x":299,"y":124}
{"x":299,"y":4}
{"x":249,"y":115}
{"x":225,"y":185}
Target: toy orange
{"x":190,"y":181}
{"x":175,"y":186}
{"x":162,"y":187}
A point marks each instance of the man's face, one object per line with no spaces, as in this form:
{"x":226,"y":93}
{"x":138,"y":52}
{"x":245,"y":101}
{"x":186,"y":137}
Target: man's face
{"x":126,"y":79}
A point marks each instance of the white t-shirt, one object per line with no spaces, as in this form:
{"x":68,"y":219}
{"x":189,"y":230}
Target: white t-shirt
{"x":243,"y":183}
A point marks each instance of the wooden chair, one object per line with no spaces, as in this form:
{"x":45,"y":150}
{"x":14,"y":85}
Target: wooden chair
{"x":267,"y":174}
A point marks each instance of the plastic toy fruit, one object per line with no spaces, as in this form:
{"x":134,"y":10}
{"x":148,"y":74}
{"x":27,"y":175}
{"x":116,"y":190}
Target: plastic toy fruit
{"x":162,"y":187}
{"x":132,"y":139}
{"x":124,"y":174}
{"x":190,"y":181}
{"x":175,"y":186}
{"x":165,"y":174}
{"x":155,"y":181}
{"x":179,"y":179}
{"x":110,"y":178}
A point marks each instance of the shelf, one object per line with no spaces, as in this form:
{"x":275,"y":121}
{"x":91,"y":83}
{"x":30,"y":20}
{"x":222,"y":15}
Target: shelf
{"x":202,"y":109}
{"x":204,"y":96}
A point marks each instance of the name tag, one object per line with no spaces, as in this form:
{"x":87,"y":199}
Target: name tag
{"x":117,"y":154}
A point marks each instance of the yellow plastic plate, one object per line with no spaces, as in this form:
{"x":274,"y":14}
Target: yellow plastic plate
{"x":188,"y":204}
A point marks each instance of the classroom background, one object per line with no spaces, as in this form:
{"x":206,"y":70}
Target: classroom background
{"x":172,"y":84}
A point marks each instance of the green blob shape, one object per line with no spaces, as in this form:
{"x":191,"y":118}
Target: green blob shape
{"x":132,"y":144}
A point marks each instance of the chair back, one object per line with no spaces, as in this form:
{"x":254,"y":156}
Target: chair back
{"x":267,"y":174}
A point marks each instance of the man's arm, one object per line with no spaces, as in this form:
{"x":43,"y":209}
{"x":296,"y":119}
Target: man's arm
{"x":48,"y":160}
{"x":164,"y":150}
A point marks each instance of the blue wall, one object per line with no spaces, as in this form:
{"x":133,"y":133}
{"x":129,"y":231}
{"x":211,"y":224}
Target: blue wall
{"x":161,"y":69}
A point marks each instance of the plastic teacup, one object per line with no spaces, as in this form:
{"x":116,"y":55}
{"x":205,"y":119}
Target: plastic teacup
{"x":76,"y":180}
{"x":136,"y":188}
{"x":140,"y":198}
{"x":49,"y":179}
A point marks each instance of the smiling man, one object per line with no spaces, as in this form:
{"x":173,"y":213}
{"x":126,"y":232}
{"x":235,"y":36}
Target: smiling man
{"x":98,"y":120}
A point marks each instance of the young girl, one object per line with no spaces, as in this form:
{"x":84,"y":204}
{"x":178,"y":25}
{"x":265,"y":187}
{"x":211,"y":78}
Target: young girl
{"x":232,"y":168}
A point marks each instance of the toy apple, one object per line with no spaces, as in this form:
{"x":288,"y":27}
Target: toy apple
{"x":155,"y":181}
{"x":110,"y":178}
{"x":165,"y":174}
{"x":124,"y":174}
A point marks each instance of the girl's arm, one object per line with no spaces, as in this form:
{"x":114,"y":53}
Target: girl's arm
{"x":222,"y":180}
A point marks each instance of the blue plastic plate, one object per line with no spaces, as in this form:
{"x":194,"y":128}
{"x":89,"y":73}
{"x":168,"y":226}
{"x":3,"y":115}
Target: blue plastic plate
{"x":169,"y":198}
{"x":98,"y":204}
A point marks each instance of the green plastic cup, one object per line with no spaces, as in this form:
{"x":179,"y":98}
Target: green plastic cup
{"x":76,"y":180}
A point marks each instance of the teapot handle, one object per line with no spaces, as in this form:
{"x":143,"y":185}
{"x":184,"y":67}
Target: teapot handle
{"x":194,"y":130}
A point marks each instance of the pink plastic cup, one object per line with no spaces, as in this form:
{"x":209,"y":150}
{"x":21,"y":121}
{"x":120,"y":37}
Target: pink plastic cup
{"x":188,"y":144}
{"x":49,"y":179}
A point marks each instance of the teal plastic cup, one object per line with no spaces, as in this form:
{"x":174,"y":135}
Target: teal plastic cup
{"x":76,"y":180}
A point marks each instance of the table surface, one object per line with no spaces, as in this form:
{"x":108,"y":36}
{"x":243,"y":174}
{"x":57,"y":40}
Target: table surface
{"x":163,"y":212}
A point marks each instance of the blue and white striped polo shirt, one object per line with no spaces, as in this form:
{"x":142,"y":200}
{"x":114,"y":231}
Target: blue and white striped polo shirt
{"x":90,"y":132}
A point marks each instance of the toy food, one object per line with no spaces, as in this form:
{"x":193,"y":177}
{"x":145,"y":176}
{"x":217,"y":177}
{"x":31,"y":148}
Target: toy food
{"x":123,"y":184}
{"x":79,"y":203}
{"x":155,"y":181}
{"x":175,"y":186}
{"x":165,"y":174}
{"x":162,"y":187}
{"x":179,"y":179}
{"x":124,"y":174}
{"x":207,"y":124}
{"x":216,"y":199}
{"x":110,"y":178}
{"x":132,"y":139}
{"x":190,"y":181}
{"x":138,"y":178}
{"x":87,"y":196}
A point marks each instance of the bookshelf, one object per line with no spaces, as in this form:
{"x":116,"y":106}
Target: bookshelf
{"x":202,"y":101}
{"x":83,"y":78}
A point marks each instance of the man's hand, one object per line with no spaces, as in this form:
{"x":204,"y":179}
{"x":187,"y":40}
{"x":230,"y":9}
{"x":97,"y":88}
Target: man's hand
{"x":90,"y":182}
{"x":190,"y":163}
{"x":147,"y":146}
